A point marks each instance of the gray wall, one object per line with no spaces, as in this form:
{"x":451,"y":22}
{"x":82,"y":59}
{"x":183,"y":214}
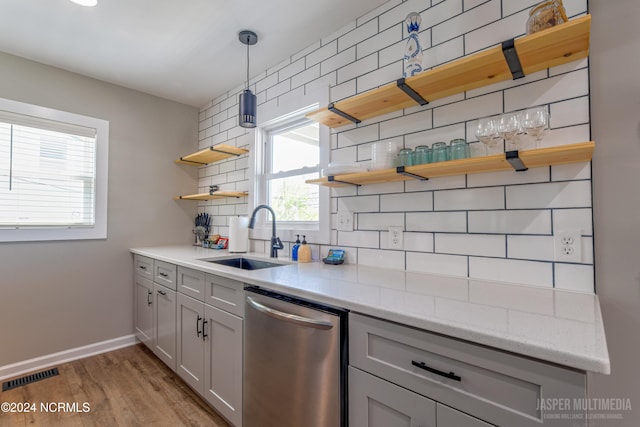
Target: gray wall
{"x":615,"y":103}
{"x":60,"y":295}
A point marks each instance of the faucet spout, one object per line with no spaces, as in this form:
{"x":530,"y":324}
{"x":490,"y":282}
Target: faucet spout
{"x":276,"y":243}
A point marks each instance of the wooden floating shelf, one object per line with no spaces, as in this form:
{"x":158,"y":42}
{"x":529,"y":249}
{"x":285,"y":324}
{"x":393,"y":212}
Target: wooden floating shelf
{"x":539,"y":157}
{"x":211,"y":154}
{"x":211,"y":196}
{"x":554,"y":46}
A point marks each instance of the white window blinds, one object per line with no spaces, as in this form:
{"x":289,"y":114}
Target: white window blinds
{"x":47,"y":173}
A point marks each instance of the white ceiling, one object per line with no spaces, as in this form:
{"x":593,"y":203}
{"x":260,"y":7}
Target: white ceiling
{"x":184,"y":50}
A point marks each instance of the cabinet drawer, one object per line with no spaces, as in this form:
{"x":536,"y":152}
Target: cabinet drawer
{"x":164,"y":274}
{"x":225,"y":294}
{"x":191,"y":282}
{"x":143,"y":266}
{"x":447,"y":417}
{"x":490,"y":384}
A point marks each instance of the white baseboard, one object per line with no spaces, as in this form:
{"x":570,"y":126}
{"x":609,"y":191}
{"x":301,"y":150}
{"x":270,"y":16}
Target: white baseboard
{"x":43,"y":362}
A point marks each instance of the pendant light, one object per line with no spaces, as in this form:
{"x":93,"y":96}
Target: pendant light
{"x":247,"y":102}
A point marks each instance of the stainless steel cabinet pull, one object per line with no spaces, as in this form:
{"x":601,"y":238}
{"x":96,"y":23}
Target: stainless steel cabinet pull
{"x":449,"y":375}
{"x":204,"y":334}
{"x":149,"y":299}
{"x":163,"y":293}
{"x":198,"y":331}
{"x":289,"y":317}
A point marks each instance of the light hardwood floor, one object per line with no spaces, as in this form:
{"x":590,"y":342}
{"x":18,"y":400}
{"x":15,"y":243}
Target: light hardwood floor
{"x":126,"y":387}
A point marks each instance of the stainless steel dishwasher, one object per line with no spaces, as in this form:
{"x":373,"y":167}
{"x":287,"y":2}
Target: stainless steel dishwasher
{"x":294,"y":362}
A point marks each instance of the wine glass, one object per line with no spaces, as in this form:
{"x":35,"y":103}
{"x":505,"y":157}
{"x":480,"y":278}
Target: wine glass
{"x":508,"y":128}
{"x":536,"y":122}
{"x":487,"y":132}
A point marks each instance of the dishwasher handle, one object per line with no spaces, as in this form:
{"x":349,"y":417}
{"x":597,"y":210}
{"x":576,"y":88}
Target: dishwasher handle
{"x":289,"y":317}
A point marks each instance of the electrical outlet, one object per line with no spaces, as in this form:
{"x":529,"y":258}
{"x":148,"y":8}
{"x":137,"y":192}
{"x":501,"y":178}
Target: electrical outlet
{"x":345,"y":221}
{"x":568,"y":246}
{"x":395,"y":238}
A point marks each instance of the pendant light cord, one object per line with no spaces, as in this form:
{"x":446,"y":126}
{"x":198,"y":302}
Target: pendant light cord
{"x":248,"y":38}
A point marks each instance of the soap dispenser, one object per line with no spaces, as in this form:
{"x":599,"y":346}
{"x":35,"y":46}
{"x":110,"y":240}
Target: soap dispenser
{"x":295,"y":248}
{"x":304,"y":252}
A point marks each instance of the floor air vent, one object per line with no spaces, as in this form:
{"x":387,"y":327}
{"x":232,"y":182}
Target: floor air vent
{"x":19,"y":382}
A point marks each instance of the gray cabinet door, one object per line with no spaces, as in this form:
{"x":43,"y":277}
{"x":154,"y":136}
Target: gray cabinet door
{"x":164,"y":314}
{"x":223,"y":363}
{"x":374,"y":402}
{"x":448,"y":417}
{"x":190,"y":345}
{"x":143,"y":292}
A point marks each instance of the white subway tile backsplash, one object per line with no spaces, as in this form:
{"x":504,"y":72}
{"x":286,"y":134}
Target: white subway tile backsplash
{"x":568,"y":113}
{"x":417,"y":242}
{"x":495,"y":33}
{"x":358,"y":136}
{"x":494,"y":226}
{"x":471,"y":244}
{"x":379,"y":77}
{"x":360,"y":33}
{"x":381,"y":258}
{"x":512,"y":271}
{"x":452,"y":265}
{"x":406,"y":124}
{"x":472,"y":199}
{"x":444,"y":52}
{"x":540,"y":248}
{"x":442,"y":183}
{"x":553,"y":89}
{"x":573,"y":171}
{"x":361,"y":239}
{"x":357,"y":68}
{"x":468,"y":21}
{"x":359,"y":204}
{"x":470,"y":109}
{"x":551,"y":195}
{"x":454,"y":222}
{"x":574,"y":277}
{"x":511,"y":222}
{"x":406,"y":202}
{"x":380,"y":221}
{"x":332,"y":63}
{"x":373,"y":44}
{"x":508,"y":177}
{"x":571,"y":219}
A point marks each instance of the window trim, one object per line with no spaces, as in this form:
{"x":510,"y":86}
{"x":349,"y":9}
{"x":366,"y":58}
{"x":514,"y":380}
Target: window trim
{"x":273,"y":117}
{"x":45,"y":233}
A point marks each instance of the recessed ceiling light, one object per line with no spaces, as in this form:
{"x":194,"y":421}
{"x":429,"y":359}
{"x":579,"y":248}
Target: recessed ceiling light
{"x":88,"y":3}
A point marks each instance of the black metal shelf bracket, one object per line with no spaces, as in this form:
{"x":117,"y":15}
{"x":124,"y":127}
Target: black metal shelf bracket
{"x":409,"y":91}
{"x":193,"y":162}
{"x":401,"y":171}
{"x":332,"y":178}
{"x":333,"y":109}
{"x":516,"y":162}
{"x":511,"y":56}
{"x":224,"y":152}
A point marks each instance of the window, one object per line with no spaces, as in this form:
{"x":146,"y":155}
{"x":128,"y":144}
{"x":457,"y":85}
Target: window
{"x":289,"y":150}
{"x":52,"y":174}
{"x":292,"y":155}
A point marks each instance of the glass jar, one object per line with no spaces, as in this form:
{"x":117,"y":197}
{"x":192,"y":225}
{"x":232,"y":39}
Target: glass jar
{"x":546,"y":15}
{"x":459,"y":149}
{"x":440,"y":152}
{"x":405,"y":157}
{"x":422,"y":155}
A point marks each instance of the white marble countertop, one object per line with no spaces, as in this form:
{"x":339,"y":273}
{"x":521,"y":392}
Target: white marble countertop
{"x":558,"y":326}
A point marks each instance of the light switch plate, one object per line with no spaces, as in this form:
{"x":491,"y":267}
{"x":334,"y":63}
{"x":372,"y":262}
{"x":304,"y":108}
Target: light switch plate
{"x":345,"y":220}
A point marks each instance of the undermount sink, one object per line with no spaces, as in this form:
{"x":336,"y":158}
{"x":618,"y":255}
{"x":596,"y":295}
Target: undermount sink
{"x":244,"y":263}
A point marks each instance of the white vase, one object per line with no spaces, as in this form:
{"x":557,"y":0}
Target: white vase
{"x":413,"y":48}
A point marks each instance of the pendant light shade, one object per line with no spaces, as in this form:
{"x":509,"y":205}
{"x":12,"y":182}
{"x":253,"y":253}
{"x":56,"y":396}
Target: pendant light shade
{"x":248,"y":104}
